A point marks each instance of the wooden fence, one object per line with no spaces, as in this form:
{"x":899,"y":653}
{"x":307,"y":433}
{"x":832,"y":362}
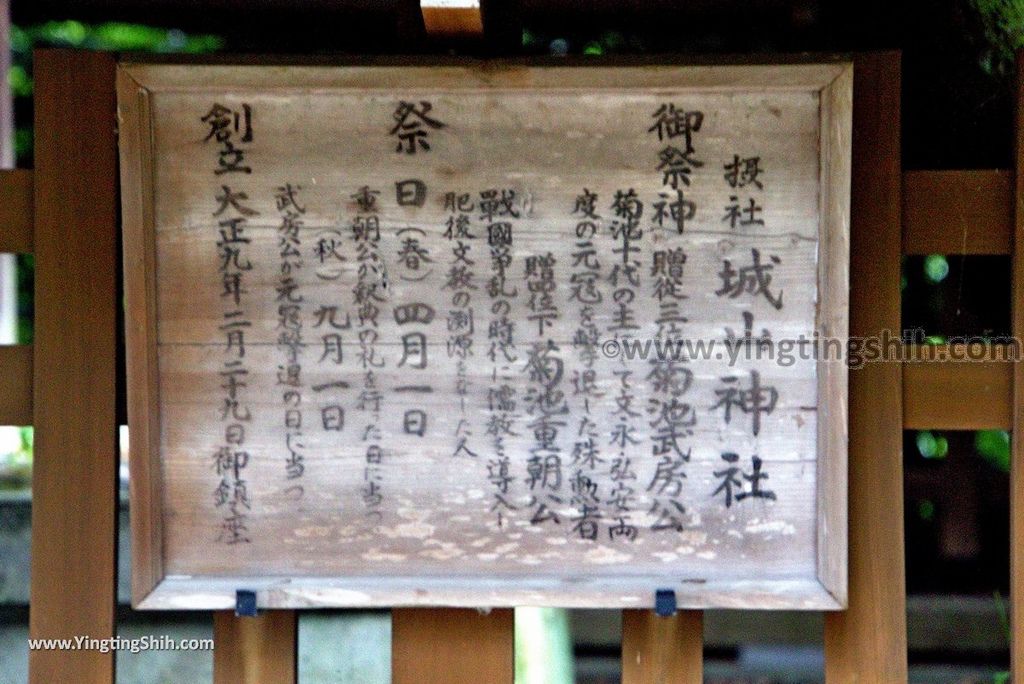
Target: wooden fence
{"x":67,"y":384}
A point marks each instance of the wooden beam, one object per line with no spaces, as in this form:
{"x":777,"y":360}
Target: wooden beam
{"x":1017,"y":455}
{"x":452,"y":646}
{"x":868,"y":641}
{"x":957,"y":212}
{"x":16,"y":385}
{"x":16,"y":211}
{"x":657,"y":650}
{"x":75,"y":466}
{"x":980,"y":377}
{"x":452,"y":18}
{"x":255,"y":650}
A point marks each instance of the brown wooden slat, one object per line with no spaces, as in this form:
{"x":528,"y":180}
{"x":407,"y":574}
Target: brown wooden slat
{"x":868,"y":641}
{"x":16,"y":385}
{"x":1017,"y":456}
{"x":957,"y":212}
{"x":74,"y":479}
{"x":255,"y":650}
{"x":452,"y":646}
{"x":452,"y":21}
{"x":16,"y":211}
{"x":456,"y":646}
{"x":662,"y":649}
{"x":982,"y":389}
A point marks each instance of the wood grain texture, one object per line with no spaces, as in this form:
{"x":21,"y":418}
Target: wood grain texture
{"x":447,"y":21}
{"x":469,"y":73}
{"x":867,"y":642}
{"x":16,"y":385}
{"x":1017,"y":456}
{"x":957,"y":212}
{"x":833,"y":324}
{"x":662,"y":650}
{"x":16,"y":211}
{"x":982,"y":385}
{"x":438,"y":523}
{"x":452,"y":646}
{"x":255,"y":650}
{"x":74,"y":481}
{"x":140,"y":343}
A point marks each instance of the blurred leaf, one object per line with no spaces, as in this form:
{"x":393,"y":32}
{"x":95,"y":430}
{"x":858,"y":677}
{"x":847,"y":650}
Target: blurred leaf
{"x":203,"y":44}
{"x":25,"y":272}
{"x":134,"y":37}
{"x":994,"y":447}
{"x":930,"y":446}
{"x":70,"y":33}
{"x":118,"y":36}
{"x":1004,"y":615}
{"x":15,"y":458}
{"x":936,"y":267}
{"x":19,"y":80}
{"x":1003,"y":25}
{"x":613,"y":40}
{"x":20,"y":40}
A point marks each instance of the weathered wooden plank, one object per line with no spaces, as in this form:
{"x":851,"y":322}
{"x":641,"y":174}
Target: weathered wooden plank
{"x":445,"y":19}
{"x":980,"y":378}
{"x":1017,"y":457}
{"x":140,"y":344}
{"x":452,"y":646}
{"x":255,"y":650}
{"x":16,"y":211}
{"x":657,"y":650}
{"x":957,"y":212}
{"x":421,"y":627}
{"x":833,"y":293}
{"x":867,"y":642}
{"x":16,"y":385}
{"x":800,"y":133}
{"x":74,"y":483}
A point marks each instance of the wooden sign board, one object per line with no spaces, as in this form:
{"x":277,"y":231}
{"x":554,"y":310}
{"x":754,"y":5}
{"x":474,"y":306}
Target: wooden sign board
{"x":486,"y":334}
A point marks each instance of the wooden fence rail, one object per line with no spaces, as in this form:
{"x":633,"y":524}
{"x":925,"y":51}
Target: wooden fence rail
{"x":66,"y":213}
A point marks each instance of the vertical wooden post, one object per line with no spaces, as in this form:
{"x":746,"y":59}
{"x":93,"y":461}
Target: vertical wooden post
{"x":452,"y":646}
{"x":255,"y":650}
{"x":662,"y":650}
{"x":868,"y":641}
{"x":1017,"y":461}
{"x":74,"y":481}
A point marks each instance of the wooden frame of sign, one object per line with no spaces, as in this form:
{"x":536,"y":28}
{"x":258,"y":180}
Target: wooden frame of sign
{"x":383,"y":326}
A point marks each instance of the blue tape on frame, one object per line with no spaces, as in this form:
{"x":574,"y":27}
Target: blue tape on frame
{"x":245,"y":603}
{"x":665,"y":602}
